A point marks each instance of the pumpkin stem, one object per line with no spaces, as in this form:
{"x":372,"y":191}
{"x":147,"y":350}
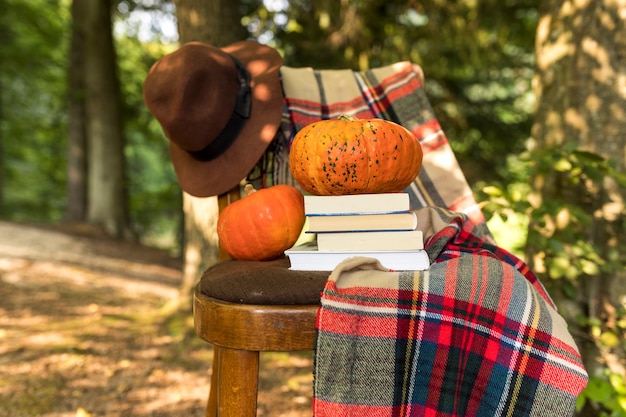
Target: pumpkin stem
{"x":347,"y":117}
{"x":248,"y":189}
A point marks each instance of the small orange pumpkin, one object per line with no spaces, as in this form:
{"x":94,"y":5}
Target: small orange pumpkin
{"x":354,"y":156}
{"x":263,"y":224}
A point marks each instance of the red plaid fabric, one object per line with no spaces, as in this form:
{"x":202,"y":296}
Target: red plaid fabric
{"x":476,"y":335}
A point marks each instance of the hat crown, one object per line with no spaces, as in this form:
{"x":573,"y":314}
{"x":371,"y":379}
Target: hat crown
{"x":220,"y":108}
{"x":192,"y":93}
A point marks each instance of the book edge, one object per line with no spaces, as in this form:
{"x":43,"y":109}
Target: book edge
{"x":367,"y":198}
{"x":413,"y":227}
{"x":422,"y":264}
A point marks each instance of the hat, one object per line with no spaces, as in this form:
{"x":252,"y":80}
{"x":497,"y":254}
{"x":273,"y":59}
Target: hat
{"x":219,"y":107}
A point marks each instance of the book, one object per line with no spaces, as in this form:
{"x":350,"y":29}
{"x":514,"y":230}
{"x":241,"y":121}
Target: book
{"x":372,"y":240}
{"x":307,"y":257}
{"x":319,"y":205}
{"x":362,"y":222}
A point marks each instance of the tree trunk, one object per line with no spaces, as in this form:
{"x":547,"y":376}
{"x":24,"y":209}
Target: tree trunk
{"x":581,"y":67}
{"x":76,"y":208}
{"x":107,"y":201}
{"x":4,"y":34}
{"x":218,"y":23}
{"x":2,"y":176}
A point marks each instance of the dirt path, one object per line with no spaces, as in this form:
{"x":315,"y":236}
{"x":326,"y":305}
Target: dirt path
{"x":83,"y":333}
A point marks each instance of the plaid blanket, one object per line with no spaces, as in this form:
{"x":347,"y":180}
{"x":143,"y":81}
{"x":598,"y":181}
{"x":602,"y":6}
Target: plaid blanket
{"x":393,"y":93}
{"x":476,"y":335}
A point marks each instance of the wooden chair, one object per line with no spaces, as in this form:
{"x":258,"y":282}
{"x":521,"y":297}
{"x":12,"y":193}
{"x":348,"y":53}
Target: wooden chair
{"x":239,"y":331}
{"x":270,"y":308}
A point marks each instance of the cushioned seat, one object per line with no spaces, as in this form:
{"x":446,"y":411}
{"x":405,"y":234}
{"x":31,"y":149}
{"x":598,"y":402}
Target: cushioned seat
{"x":243,"y":308}
{"x":262,"y":283}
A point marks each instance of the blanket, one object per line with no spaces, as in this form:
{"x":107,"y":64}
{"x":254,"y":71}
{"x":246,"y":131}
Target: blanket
{"x":393,"y":92}
{"x":476,"y":335}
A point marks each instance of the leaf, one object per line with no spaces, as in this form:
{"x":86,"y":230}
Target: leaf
{"x":588,"y":156}
{"x":493,"y":191}
{"x":618,"y":383}
{"x":598,"y":390}
{"x":563,"y":165}
{"x":595,"y":174}
{"x":569,"y":290}
{"x":589,"y":268}
{"x":620,"y":178}
{"x":609,"y":339}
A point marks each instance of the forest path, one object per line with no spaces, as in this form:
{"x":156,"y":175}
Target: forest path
{"x":83,"y":333}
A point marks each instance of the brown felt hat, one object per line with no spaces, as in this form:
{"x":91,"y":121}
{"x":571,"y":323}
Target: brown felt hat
{"x":219,"y":107}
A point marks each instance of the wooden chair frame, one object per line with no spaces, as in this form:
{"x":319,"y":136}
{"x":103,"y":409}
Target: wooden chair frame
{"x":238,"y":333}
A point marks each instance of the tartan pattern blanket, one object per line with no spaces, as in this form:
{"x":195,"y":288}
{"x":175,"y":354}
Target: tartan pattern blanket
{"x":393,"y":92}
{"x":476,"y":335}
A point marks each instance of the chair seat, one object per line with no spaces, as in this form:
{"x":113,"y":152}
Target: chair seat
{"x":243,"y":308}
{"x":262,"y":283}
{"x":255,"y":327}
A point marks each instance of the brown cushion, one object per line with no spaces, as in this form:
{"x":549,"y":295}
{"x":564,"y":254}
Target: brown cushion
{"x":269,"y":282}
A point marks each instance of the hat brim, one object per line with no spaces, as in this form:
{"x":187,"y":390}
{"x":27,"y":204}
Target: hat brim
{"x":209,"y":178}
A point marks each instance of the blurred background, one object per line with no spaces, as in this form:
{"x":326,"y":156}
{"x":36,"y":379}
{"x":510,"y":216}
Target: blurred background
{"x":531,"y":95}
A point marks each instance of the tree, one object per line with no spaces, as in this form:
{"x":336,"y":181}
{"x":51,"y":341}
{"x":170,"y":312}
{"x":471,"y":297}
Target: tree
{"x":217,"y":23}
{"x":33,"y":115}
{"x":577,"y":234}
{"x":4,"y":35}
{"x":477,"y":58}
{"x":76,"y":205}
{"x":491,"y":45}
{"x":107,"y":200}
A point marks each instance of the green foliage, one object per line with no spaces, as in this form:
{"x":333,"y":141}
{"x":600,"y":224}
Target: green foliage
{"x":33,"y":76}
{"x":607,"y":394}
{"x":478,"y":59}
{"x":477,"y":56}
{"x":155,"y":200}
{"x":32,"y":115}
{"x":561,"y":224}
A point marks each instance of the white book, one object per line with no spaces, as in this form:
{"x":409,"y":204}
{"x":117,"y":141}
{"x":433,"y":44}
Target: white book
{"x":320,"y":205}
{"x":306,"y":257}
{"x":363,"y":222}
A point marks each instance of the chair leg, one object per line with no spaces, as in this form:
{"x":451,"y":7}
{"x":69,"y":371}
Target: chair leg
{"x":238,"y":385}
{"x":211,"y":408}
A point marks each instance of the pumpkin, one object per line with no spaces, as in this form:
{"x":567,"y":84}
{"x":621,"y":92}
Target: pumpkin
{"x":263,"y":224}
{"x":354,"y":156}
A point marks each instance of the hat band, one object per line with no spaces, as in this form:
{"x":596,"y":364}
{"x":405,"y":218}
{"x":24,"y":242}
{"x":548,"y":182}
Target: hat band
{"x":241,"y":113}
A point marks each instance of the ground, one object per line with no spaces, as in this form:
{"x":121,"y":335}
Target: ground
{"x":85,"y":331}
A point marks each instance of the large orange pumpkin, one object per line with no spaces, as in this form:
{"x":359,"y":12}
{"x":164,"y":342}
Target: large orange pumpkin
{"x":354,"y":156}
{"x":263,"y":224}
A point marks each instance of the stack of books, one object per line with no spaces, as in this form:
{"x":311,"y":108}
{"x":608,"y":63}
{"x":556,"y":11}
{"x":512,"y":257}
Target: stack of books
{"x":380,"y":226}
